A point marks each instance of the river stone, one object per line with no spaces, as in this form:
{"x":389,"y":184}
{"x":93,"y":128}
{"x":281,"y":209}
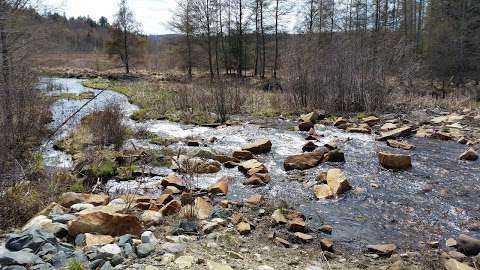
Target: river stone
{"x":399,"y":144}
{"x":305,"y":126}
{"x":310,"y":117}
{"x":468,"y":245}
{"x":335,"y":156}
{"x":64,"y":219}
{"x":173,"y":180}
{"x":279,"y":217}
{"x":258,"y":147}
{"x":14,"y":267}
{"x":33,"y":240}
{"x":81,"y":206}
{"x":18,"y":258}
{"x":108,"y":251}
{"x":323,"y":192}
{"x":220,"y":187}
{"x":395,"y":161}
{"x":309,"y":147}
{"x":393,"y":134}
{"x":37,"y":223}
{"x":251,"y":167}
{"x":217,"y":266}
{"x":469,"y":155}
{"x":143,"y":250}
{"x":383,"y":249}
{"x":371,"y":120}
{"x":326,"y":244}
{"x":243,"y":155}
{"x":106,"y":222}
{"x":303,"y":161}
{"x":453,"y":264}
{"x":171,"y":208}
{"x":244,"y":228}
{"x":70,"y":198}
{"x":388,"y":127}
{"x":148,"y":237}
{"x":106,"y":266}
{"x":337,"y":181}
{"x":173,"y":248}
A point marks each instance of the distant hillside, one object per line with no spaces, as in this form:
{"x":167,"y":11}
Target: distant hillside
{"x":163,"y":37}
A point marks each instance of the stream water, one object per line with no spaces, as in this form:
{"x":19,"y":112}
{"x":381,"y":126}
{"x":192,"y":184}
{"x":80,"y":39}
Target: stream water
{"x":437,"y":199}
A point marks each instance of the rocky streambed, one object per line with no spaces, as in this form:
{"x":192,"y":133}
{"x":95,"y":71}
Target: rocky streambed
{"x":434,"y":200}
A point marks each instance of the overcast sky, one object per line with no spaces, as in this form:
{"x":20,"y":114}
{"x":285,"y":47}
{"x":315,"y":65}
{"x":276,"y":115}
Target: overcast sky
{"x":152,"y":14}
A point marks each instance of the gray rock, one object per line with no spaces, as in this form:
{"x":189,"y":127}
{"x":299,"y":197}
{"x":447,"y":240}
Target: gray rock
{"x":60,"y":230}
{"x":80,"y":240}
{"x":59,"y":259}
{"x":143,"y":250}
{"x":117,"y":259}
{"x":124,"y":239}
{"x":30,"y":239}
{"x":18,"y":258}
{"x":108,"y":251}
{"x":81,"y":206}
{"x":43,"y":266}
{"x":468,"y":245}
{"x":128,"y":249}
{"x":96,"y":263}
{"x":106,"y":266}
{"x":148,"y":237}
{"x":173,"y":248}
{"x":14,"y":267}
{"x":64,"y":219}
{"x":46,"y":249}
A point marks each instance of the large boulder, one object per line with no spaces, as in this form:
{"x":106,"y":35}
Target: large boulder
{"x":70,"y":198}
{"x":303,"y":161}
{"x":396,"y":133}
{"x":103,"y":221}
{"x":395,"y":161}
{"x":18,"y":258}
{"x":468,"y":245}
{"x":371,"y":120}
{"x":305,"y":126}
{"x":310,"y":117}
{"x":470,"y":155}
{"x":33,"y":239}
{"x":258,"y":147}
{"x":337,"y":181}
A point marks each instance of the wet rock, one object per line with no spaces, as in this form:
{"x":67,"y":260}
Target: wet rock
{"x":143,"y":250}
{"x":440,"y":135}
{"x":97,"y":240}
{"x":302,"y":237}
{"x":310,"y":117}
{"x":303,"y":161}
{"x":279,"y":217}
{"x":399,"y":144}
{"x":468,"y":245}
{"x":326,"y":229}
{"x":106,"y":222}
{"x":470,"y":155}
{"x":192,"y":143}
{"x":173,"y":180}
{"x":305,"y":126}
{"x":453,"y":264}
{"x":340,"y":122}
{"x":297,"y":225}
{"x":18,"y":258}
{"x":383,"y":249}
{"x":70,"y":198}
{"x":451,"y":242}
{"x":335,"y":156}
{"x":323,"y":192}
{"x":243,"y":155}
{"x":151,"y":218}
{"x":396,"y":133}
{"x":171,"y":208}
{"x":211,"y":265}
{"x":220,"y":187}
{"x":258,"y":147}
{"x":361,"y":130}
{"x":371,"y":120}
{"x":337,"y":181}
{"x":33,"y":240}
{"x":255,"y":199}
{"x":148,"y":237}
{"x":251,"y":167}
{"x":326,"y":244}
{"x":258,"y":179}
{"x":309,"y":147}
{"x":394,"y":161}
{"x":202,"y":208}
{"x":244,"y":228}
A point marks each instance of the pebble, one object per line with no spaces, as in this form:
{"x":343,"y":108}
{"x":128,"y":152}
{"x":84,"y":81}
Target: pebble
{"x":143,"y":250}
{"x":184,"y":262}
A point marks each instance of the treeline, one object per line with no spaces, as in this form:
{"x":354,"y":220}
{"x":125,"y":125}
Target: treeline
{"x":440,"y":38}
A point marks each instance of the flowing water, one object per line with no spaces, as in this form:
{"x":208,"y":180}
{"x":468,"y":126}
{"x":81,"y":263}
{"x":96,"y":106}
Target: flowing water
{"x":437,"y":199}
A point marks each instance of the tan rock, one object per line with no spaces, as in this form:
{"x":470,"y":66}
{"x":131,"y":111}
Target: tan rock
{"x":202,"y":208}
{"x":164,"y":199}
{"x":453,"y":264}
{"x":258,"y":179}
{"x":326,"y":229}
{"x":243,"y":155}
{"x":252,"y":166}
{"x":393,"y":134}
{"x":337,"y":181}
{"x":451,"y":242}
{"x":371,"y":120}
{"x":151,"y":218}
{"x":440,"y":135}
{"x":303,"y":161}
{"x":388,"y":127}
{"x":361,"y":130}
{"x":171,"y":208}
{"x":255,"y":199}
{"x":395,"y":161}
{"x":470,"y":155}
{"x":258,"y":147}
{"x":339,"y":122}
{"x":220,"y":187}
{"x":70,"y":198}
{"x":383,"y":249}
{"x":323,"y":192}
{"x":244,"y":228}
{"x":310,"y":117}
{"x":279,"y":217}
{"x":282,"y":242}
{"x":326,"y":244}
{"x":303,"y":237}
{"x":104,"y":222}
{"x":98,"y":240}
{"x":297,"y":225}
{"x":401,"y":145}
{"x":173,"y":180}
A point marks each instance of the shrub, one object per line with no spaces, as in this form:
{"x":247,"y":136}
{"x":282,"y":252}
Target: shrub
{"x":106,"y":126}
{"x":75,"y":265}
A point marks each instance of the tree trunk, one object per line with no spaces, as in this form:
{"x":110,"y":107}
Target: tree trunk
{"x":264,"y":50}
{"x":240,"y":41}
{"x":125,"y":47}
{"x":275,"y":64}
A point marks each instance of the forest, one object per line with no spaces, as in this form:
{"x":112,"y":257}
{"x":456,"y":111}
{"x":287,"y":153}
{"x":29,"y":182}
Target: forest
{"x":256,"y":134}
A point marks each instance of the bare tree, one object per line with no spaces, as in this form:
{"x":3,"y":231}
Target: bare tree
{"x":183,"y":23}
